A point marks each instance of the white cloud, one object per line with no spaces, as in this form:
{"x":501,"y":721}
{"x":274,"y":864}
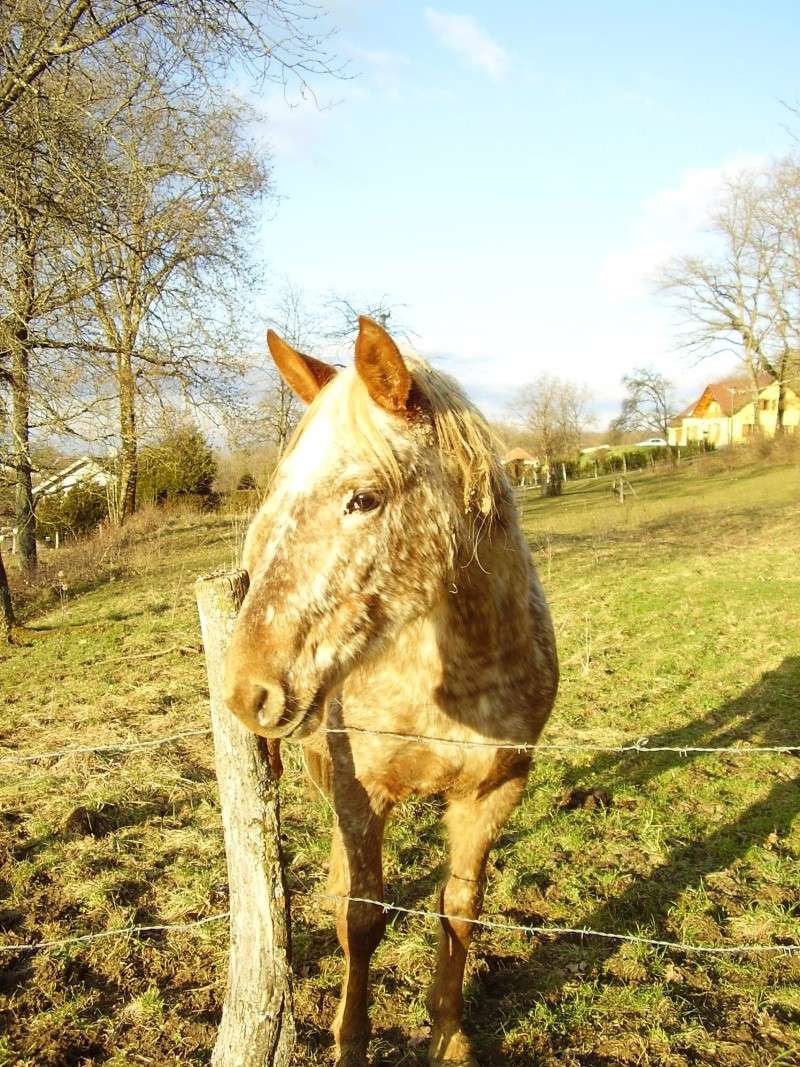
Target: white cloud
{"x":463,"y":35}
{"x":671,"y":221}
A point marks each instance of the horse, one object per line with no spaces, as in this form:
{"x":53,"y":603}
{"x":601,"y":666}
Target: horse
{"x":392,"y":599}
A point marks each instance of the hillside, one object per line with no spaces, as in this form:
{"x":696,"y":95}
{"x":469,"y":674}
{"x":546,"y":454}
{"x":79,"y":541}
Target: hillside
{"x":678,"y":620}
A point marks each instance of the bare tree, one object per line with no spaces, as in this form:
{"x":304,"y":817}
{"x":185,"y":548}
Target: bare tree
{"x":647,"y":404}
{"x":59,"y":61}
{"x":554,"y":411}
{"x":42,"y":146}
{"x":281,"y":39}
{"x":343,"y":312}
{"x":177,"y":201}
{"x":745,"y":297}
{"x":782,"y":208}
{"x":278,"y":410}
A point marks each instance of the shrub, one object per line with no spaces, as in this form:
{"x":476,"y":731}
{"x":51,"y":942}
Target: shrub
{"x":81,"y":509}
{"x":180,"y":464}
{"x":107,"y":553}
{"x":241,"y":501}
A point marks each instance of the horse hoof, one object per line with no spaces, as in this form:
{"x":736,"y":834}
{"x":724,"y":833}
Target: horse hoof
{"x":352,"y":1056}
{"x":451,"y":1050}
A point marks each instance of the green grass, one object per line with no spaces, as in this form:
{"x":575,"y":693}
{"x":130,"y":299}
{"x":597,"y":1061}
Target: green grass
{"x":678,"y":619}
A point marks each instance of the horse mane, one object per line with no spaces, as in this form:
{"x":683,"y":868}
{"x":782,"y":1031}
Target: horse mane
{"x":462,"y":435}
{"x":465,"y":438}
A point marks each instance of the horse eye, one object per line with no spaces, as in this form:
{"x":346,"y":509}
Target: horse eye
{"x":363,"y":501}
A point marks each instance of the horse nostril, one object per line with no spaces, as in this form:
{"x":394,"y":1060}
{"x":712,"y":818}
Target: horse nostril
{"x":271,"y":706}
{"x":260,"y":706}
{"x":245,"y":699}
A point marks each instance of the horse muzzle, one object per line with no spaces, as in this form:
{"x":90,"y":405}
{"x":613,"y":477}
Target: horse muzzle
{"x":269,"y":710}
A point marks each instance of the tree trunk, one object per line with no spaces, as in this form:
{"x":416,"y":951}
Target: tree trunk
{"x":551,"y":484}
{"x":127,"y":469}
{"x":5,"y":601}
{"x":781,"y":409}
{"x":783,"y":372}
{"x":753,"y":368}
{"x":24,"y":515}
{"x":257,"y":1026}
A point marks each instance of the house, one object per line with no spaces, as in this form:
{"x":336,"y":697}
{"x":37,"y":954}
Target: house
{"x":725,"y":413}
{"x":83,"y":471}
{"x":520,"y":466}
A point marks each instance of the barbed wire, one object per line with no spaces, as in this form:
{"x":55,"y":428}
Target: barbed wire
{"x":115,"y":746}
{"x":640,"y":745}
{"x":122,"y":931}
{"x":423,"y":913}
{"x":562,"y":931}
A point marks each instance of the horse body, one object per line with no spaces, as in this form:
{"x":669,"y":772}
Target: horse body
{"x":393,"y":597}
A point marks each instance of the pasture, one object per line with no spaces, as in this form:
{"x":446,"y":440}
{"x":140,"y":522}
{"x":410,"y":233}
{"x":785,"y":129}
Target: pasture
{"x":678,"y":619}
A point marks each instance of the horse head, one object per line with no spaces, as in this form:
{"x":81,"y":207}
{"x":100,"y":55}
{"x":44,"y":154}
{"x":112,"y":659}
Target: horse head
{"x":357,"y":535}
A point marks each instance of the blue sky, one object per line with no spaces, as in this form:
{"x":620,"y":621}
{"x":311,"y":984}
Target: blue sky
{"x":513,"y":173}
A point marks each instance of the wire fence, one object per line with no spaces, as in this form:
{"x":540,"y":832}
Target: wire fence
{"x":112,"y":746}
{"x":121,"y":931}
{"x":641,"y":745}
{"x":423,"y":913}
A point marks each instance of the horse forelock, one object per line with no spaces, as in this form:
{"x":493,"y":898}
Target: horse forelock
{"x":345,"y":414}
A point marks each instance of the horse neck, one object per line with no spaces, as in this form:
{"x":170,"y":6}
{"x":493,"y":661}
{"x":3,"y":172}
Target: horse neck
{"x":489,"y":595}
{"x":482,"y":612}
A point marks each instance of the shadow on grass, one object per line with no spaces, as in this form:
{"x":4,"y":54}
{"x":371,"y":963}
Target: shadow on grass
{"x":766,"y":714}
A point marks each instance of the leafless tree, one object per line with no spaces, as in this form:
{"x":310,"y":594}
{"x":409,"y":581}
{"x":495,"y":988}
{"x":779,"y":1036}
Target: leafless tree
{"x":647,"y":405}
{"x":300,"y":324}
{"x":284,"y":39}
{"x":744,"y":297}
{"x":554,"y":412}
{"x":177,"y":201}
{"x":342,"y":314}
{"x":66,"y":142}
{"x":782,"y":208}
{"x":38,"y":192}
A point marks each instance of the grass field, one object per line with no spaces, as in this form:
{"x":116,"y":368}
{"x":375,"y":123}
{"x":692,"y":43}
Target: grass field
{"x":678,"y":619}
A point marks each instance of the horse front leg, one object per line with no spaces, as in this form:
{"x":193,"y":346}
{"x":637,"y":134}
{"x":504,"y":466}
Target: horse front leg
{"x":472,"y":825}
{"x":356,"y":871}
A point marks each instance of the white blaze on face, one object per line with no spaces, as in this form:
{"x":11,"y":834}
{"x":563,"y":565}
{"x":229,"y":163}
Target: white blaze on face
{"x":314,"y":452}
{"x":312,"y":457}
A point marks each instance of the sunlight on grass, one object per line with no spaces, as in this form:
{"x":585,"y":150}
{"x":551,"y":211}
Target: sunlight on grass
{"x":678,"y":619}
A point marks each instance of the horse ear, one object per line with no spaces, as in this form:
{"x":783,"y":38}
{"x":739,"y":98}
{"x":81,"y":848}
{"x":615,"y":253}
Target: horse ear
{"x":381,"y":368}
{"x":303,"y":374}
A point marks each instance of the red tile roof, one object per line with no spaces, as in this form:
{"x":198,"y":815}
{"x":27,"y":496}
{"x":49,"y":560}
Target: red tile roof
{"x":732,"y":394}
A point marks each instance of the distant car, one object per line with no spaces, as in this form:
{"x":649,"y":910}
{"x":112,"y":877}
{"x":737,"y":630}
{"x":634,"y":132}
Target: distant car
{"x":651,"y":442}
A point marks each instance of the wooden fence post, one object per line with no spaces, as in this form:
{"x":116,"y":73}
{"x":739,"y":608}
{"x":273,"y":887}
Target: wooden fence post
{"x":257,"y":1026}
